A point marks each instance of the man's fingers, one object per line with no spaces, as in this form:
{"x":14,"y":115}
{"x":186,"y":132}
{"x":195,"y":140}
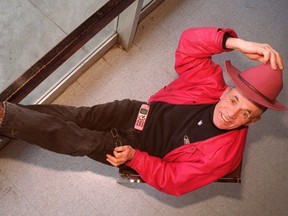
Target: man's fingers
{"x":113,"y":160}
{"x":265,"y":53}
{"x":279,"y":61}
{"x":121,"y":148}
{"x":272,"y":56}
{"x":118,"y":158}
{"x":121,"y":155}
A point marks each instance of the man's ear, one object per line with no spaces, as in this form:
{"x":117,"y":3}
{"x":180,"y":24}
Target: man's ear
{"x":228,"y":89}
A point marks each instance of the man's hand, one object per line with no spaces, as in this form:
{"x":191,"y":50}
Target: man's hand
{"x":122,"y":154}
{"x":256,"y":51}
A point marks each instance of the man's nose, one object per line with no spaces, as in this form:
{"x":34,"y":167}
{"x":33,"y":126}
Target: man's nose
{"x":233,"y":112}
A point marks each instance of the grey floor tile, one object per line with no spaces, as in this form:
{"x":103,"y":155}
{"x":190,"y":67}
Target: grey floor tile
{"x":41,"y":182}
{"x":266,"y":183}
{"x":161,"y":50}
{"x":74,"y":94}
{"x":68,"y":15}
{"x":171,"y":14}
{"x":12,"y":201}
{"x":232,"y":199}
{"x":189,"y":204}
{"x":55,"y":183}
{"x":129,"y":202}
{"x":5,"y":185}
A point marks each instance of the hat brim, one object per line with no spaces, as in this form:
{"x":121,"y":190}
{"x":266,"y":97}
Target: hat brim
{"x":233,"y":73}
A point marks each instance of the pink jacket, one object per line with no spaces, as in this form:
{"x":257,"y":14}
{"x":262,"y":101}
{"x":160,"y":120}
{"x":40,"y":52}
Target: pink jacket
{"x":200,"y":81}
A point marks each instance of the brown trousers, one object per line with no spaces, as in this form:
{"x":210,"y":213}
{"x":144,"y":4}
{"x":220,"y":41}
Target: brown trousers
{"x":73,"y":131}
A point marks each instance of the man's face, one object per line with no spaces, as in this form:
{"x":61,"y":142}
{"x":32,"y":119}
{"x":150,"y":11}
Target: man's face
{"x":234,"y":110}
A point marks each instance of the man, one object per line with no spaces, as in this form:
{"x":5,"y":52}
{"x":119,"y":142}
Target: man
{"x":192,"y":131}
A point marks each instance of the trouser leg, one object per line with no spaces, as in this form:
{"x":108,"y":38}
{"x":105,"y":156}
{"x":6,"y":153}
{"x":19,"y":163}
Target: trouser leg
{"x":69,"y":130}
{"x":102,"y":117}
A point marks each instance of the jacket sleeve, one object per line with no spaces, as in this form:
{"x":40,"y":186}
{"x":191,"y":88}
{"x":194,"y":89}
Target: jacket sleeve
{"x":175,"y":178}
{"x":184,"y":170}
{"x":197,"y":45}
{"x":200,"y":80}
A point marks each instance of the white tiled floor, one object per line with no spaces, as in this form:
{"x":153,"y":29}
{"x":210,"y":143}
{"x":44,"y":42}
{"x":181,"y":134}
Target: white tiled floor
{"x":37,"y":182}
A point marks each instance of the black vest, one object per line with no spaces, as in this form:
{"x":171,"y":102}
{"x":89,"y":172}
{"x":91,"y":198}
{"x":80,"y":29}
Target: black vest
{"x":170,"y":126}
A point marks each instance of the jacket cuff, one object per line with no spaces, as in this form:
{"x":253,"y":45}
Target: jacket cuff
{"x":226,"y":34}
{"x":134,"y":161}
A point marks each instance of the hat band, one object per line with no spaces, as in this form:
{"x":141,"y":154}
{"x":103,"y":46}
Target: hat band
{"x":255,"y":90}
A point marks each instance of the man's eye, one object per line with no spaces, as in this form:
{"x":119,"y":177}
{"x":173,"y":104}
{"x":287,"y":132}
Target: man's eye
{"x":245,"y":114}
{"x":233,"y":101}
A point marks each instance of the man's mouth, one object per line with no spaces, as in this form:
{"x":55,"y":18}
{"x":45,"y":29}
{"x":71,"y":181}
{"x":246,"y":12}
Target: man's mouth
{"x":224,"y":118}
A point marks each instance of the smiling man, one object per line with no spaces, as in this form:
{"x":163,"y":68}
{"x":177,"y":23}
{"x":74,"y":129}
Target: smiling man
{"x":234,"y":110}
{"x":189,"y":134}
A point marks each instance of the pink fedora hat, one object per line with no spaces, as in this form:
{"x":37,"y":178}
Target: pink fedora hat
{"x":260,"y":84}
